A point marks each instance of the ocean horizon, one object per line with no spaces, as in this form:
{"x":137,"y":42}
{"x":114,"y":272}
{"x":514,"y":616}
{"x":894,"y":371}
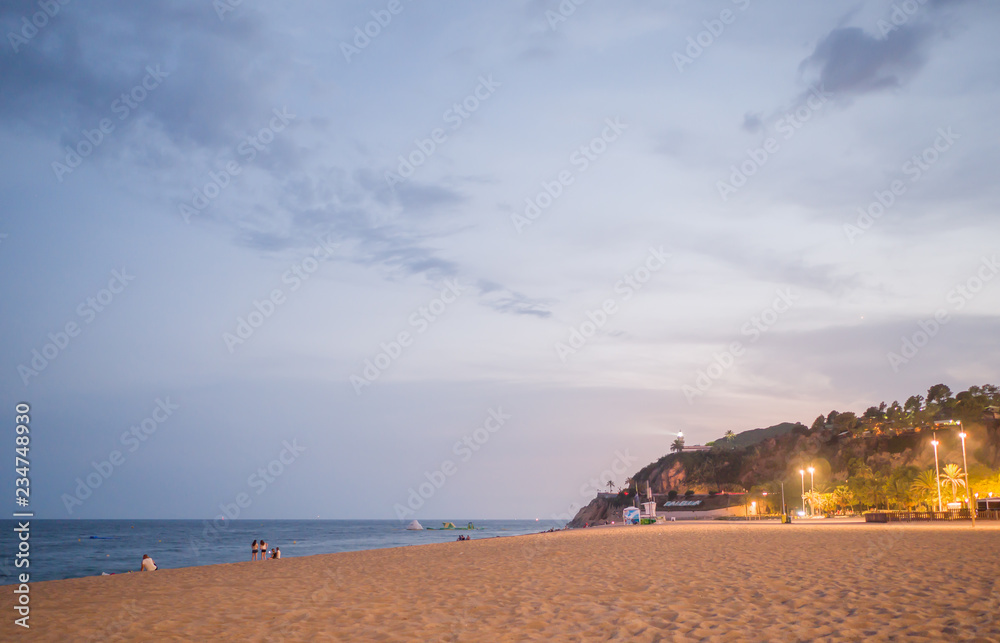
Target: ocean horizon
{"x":70,"y":548}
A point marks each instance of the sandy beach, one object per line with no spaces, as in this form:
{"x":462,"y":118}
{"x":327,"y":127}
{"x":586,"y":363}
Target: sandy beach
{"x":676,"y":582}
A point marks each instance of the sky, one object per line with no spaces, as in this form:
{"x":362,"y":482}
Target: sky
{"x":396,"y":259}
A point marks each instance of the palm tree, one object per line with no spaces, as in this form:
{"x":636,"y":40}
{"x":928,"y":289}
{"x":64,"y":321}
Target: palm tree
{"x":898,"y":490}
{"x":816,"y":501}
{"x":924,"y":487}
{"x":611,"y":486}
{"x":953,"y":475}
{"x":730,"y":437}
{"x":678,"y":445}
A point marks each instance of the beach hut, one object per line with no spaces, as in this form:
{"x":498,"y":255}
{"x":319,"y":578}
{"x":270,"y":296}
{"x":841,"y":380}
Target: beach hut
{"x":414,"y":526}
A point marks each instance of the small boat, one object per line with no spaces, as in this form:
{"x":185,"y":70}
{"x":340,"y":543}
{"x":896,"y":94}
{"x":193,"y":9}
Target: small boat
{"x":451,"y":525}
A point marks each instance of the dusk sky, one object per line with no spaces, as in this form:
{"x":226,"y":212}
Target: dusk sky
{"x":498,"y":249}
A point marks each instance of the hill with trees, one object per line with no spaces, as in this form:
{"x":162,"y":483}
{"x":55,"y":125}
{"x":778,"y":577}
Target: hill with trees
{"x":880,"y":458}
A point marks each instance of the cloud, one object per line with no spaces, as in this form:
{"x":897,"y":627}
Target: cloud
{"x":852,"y":62}
{"x":67,"y":76}
{"x":752,"y":122}
{"x":503,"y":300}
{"x":770,"y":265}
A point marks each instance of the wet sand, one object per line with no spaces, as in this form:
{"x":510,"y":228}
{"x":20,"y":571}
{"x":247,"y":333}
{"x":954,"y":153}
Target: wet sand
{"x":683,"y":581}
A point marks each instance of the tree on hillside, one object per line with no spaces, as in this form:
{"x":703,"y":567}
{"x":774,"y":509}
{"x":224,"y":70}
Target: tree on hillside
{"x":708,"y":468}
{"x":730,"y":437}
{"x":874,"y":413}
{"x":895,"y":413}
{"x":611,"y":486}
{"x":953,"y":476}
{"x":818,"y":424}
{"x":913,"y":404}
{"x":677,"y":445}
{"x":938,"y":394}
{"x":846,"y":421}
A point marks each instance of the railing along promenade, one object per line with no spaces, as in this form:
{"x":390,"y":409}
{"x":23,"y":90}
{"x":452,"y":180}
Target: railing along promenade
{"x":923,"y":516}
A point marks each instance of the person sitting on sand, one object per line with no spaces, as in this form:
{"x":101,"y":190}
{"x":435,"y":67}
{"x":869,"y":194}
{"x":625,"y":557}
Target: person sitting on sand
{"x":277,"y":553}
{"x":253,"y":550}
{"x":147,"y":564}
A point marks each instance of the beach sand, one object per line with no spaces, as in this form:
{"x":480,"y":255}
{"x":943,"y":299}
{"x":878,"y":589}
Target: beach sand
{"x":683,"y":581}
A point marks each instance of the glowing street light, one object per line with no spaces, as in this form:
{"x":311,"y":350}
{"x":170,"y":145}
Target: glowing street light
{"x":968,"y":489}
{"x":937,"y":471}
{"x":802,"y":474}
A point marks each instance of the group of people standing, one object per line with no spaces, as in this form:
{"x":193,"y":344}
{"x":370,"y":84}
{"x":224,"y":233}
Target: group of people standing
{"x":262,"y":550}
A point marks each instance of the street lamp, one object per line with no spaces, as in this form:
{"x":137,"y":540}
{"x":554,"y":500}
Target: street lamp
{"x":937,"y":471}
{"x":812,"y":486}
{"x":968,"y":489}
{"x":802,"y":475}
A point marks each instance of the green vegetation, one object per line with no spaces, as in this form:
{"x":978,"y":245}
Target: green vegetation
{"x":882,"y":458}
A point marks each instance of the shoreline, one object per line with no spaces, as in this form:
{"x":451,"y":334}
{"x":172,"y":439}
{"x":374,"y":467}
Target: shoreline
{"x":836,"y":521}
{"x":699,"y":580}
{"x":85,"y":548}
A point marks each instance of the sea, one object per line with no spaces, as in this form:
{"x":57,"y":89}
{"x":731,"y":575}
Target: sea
{"x":59,"y":549}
